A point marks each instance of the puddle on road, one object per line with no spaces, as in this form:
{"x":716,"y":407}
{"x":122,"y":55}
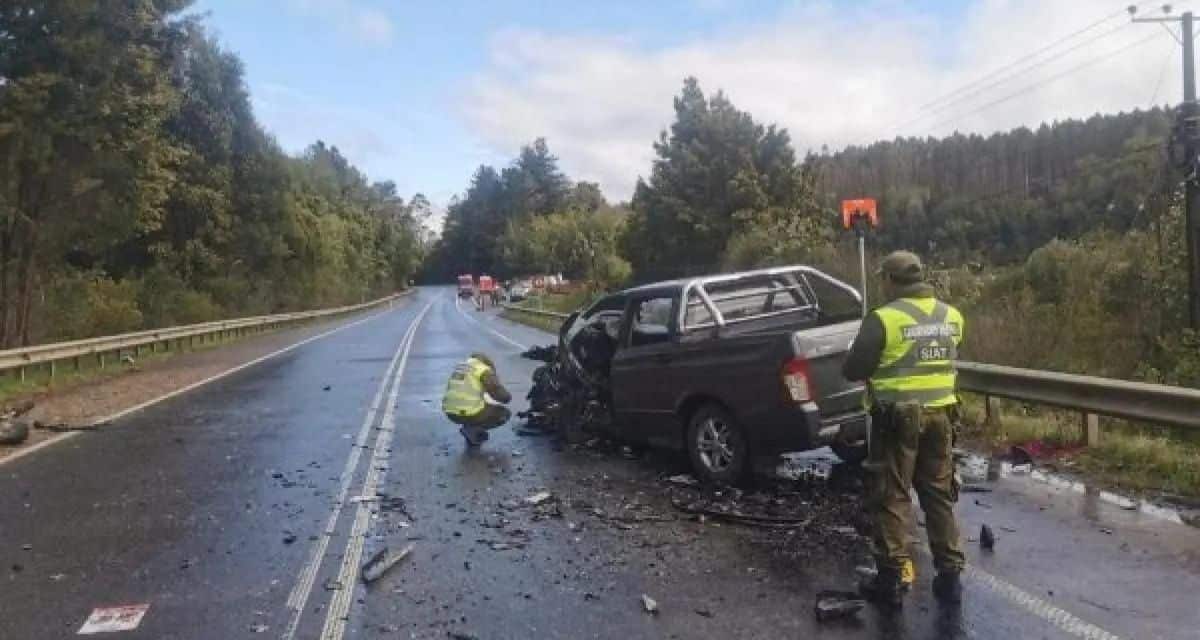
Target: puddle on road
{"x":974,"y":468}
{"x":821,"y":465}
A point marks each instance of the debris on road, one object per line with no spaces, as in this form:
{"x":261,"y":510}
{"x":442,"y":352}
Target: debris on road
{"x":111,"y":619}
{"x":288,"y":537}
{"x":987,"y":539}
{"x":382,"y":562}
{"x":649,"y":604}
{"x":837,"y":604}
{"x":258,"y":628}
{"x":63,"y":427}
{"x":538,"y":498}
{"x":14,"y":424}
{"x":327,"y":387}
{"x":683,"y":480}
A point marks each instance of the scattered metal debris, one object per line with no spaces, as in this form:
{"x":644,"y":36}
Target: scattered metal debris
{"x":649,"y":604}
{"x":987,"y":539}
{"x":837,"y":604}
{"x":14,"y":424}
{"x":684,"y":480}
{"x":382,"y":562}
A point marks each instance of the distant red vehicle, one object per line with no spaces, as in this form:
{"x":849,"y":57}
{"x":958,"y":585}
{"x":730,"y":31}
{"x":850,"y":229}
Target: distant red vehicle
{"x":466,"y":285}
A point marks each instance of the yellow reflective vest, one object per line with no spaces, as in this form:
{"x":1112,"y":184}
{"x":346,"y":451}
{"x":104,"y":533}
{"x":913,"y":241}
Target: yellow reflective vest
{"x":921,"y":344}
{"x":464,"y":391}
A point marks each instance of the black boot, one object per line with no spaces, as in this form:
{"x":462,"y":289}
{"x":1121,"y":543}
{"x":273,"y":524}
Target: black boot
{"x":884,"y":588}
{"x":947,"y":587}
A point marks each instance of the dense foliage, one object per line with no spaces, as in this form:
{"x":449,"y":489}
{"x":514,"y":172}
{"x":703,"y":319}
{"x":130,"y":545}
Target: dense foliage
{"x":720,"y":182}
{"x":996,"y":198}
{"x":137,"y":189}
{"x":529,"y":218}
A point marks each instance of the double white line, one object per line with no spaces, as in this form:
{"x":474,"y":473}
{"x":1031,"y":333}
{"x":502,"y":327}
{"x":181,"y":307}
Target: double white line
{"x":339,"y":607}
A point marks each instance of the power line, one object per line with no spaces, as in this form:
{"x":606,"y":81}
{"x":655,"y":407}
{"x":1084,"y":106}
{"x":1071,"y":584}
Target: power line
{"x":1162,"y":72}
{"x":1025,"y":58}
{"x":1016,"y":74}
{"x":1037,"y":85}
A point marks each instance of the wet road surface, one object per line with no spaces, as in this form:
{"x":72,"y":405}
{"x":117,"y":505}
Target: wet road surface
{"x":245,"y":508}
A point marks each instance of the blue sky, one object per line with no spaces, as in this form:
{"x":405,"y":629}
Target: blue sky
{"x":423,"y":92}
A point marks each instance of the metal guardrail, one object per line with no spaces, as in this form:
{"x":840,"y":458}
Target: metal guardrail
{"x":50,"y":354}
{"x":1092,"y":396}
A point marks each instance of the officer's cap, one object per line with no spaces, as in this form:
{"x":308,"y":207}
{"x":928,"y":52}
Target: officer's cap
{"x":903,"y":267}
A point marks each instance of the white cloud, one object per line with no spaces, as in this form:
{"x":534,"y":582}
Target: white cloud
{"x":299,"y":119}
{"x":832,"y":76}
{"x":361,"y":23}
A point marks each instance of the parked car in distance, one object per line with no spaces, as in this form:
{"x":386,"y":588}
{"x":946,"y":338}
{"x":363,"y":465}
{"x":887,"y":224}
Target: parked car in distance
{"x":519,"y":291}
{"x":734,"y":369}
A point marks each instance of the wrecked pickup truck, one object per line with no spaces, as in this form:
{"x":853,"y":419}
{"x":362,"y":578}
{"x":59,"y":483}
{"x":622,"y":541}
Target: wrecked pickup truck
{"x":734,"y":369}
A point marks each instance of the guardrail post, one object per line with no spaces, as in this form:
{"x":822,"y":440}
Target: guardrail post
{"x":991,"y":412}
{"x":53,"y":369}
{"x":1091,"y":429}
{"x":78,"y":364}
{"x":21,"y":374}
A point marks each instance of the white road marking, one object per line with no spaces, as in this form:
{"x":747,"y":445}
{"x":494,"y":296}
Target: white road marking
{"x":298,"y":599}
{"x":182,"y":390}
{"x":1063,"y":620}
{"x":339,"y":605}
{"x":489,"y":329}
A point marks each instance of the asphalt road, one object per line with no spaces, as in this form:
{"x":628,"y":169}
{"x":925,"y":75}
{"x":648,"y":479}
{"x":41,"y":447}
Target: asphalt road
{"x":245,"y":508}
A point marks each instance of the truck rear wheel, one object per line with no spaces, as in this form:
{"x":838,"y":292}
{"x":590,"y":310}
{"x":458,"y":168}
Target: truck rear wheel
{"x":717,"y":446}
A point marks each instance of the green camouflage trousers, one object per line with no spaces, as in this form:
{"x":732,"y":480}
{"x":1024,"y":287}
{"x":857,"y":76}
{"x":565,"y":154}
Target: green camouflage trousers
{"x":912,"y":448}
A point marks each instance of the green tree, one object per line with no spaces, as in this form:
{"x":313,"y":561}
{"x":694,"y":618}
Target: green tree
{"x":84,"y":163}
{"x":717,"y":174}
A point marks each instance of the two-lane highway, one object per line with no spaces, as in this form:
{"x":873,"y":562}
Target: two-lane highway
{"x":247,"y":506}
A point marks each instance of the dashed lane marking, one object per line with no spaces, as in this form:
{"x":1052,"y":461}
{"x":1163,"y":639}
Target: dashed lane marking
{"x":489,"y":329}
{"x":1063,"y":620}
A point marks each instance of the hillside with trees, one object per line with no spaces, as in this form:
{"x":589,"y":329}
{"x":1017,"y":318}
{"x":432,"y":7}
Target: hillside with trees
{"x":138,"y":190}
{"x":997,"y":198}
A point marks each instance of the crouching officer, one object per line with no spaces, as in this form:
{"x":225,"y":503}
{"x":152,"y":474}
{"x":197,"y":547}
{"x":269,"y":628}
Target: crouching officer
{"x":906,"y":350}
{"x":466,"y":399}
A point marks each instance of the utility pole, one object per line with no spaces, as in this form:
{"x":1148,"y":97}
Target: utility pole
{"x":1187,"y":134}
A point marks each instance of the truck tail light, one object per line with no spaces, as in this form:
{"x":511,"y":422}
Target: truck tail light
{"x":797,"y":381}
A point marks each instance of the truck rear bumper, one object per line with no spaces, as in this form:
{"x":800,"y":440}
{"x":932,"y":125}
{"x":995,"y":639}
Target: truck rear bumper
{"x":803,"y":428}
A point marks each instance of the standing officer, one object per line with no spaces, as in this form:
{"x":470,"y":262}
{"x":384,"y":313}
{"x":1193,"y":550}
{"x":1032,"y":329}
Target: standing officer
{"x":906,"y":350}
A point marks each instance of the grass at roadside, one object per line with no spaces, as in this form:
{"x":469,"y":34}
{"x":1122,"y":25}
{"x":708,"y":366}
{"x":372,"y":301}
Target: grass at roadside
{"x":1129,"y":457}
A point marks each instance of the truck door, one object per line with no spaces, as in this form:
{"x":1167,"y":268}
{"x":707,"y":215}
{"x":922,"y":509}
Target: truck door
{"x":641,"y":368}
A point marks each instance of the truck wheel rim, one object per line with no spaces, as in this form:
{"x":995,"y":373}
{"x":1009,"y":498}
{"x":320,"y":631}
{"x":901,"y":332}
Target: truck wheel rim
{"x":713,"y":445}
